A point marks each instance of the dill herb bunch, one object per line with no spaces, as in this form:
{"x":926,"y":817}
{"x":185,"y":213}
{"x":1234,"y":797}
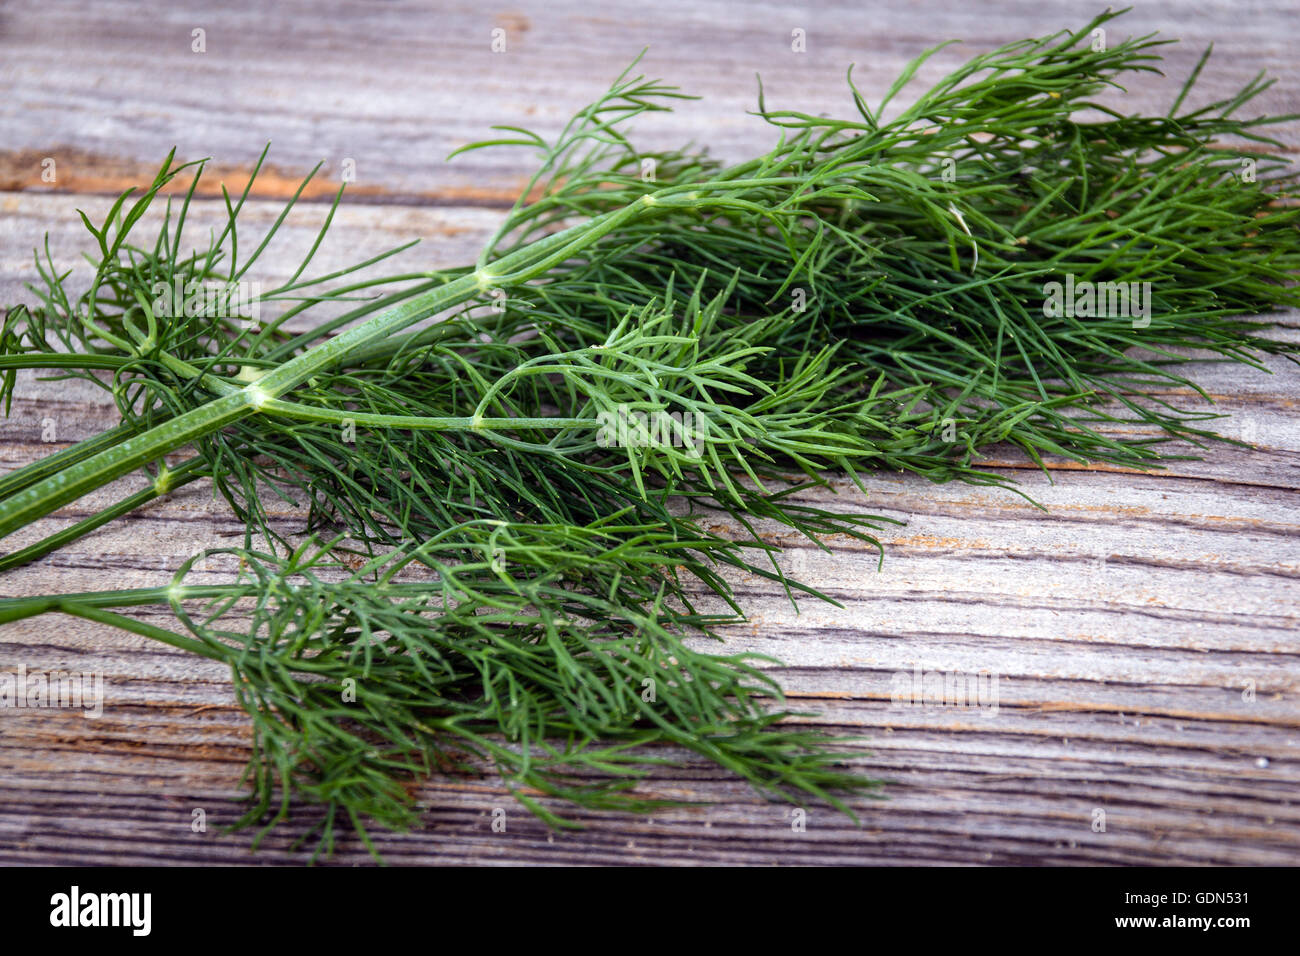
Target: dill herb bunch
{"x":494,"y":580}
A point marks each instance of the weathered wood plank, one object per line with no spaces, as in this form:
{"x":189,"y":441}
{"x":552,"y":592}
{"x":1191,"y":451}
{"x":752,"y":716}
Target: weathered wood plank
{"x":396,"y":87}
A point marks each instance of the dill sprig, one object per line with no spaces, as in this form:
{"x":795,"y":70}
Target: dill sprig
{"x":562,"y":672}
{"x":869,"y":294}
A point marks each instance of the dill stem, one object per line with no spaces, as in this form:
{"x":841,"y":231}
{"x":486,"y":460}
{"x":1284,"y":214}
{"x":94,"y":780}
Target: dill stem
{"x":183,"y":474}
{"x":93,"y":606}
{"x":53,"y":492}
{"x":450,"y":424}
{"x":66,"y":486}
{"x":51,"y":464}
{"x":144,"y":629}
{"x":109,"y":363}
{"x":16,"y":608}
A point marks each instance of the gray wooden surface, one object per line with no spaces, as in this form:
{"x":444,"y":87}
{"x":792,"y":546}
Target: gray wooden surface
{"x":1125,"y":624}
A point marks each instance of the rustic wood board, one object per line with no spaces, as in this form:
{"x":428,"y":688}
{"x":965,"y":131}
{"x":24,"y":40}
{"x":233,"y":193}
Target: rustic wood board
{"x":1124,"y":623}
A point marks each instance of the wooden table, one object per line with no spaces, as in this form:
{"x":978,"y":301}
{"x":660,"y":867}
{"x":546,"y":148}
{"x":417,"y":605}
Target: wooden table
{"x":1142,"y":629}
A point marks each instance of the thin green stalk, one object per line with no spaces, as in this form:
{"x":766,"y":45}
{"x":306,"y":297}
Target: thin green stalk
{"x":167,"y":481}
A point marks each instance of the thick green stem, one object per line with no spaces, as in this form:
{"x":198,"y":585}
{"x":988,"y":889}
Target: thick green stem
{"x":38,"y":500}
{"x":29,"y":474}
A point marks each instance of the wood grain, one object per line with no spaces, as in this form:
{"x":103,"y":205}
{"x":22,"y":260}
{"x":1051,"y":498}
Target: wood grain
{"x":1125,"y":623}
